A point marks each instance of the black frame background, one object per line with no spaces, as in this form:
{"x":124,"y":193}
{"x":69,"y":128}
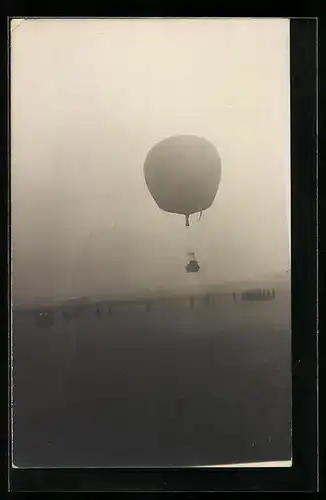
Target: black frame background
{"x":303,"y":475}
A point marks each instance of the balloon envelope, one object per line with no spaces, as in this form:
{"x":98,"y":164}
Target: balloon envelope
{"x":183,"y":173}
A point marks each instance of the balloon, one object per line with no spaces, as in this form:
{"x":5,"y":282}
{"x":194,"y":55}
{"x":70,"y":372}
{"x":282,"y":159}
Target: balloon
{"x":182,"y":174}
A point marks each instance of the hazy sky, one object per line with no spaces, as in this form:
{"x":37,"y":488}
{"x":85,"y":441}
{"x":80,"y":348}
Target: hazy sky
{"x":89,"y":98}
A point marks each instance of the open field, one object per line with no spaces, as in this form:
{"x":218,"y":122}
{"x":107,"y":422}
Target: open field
{"x":178,"y":386}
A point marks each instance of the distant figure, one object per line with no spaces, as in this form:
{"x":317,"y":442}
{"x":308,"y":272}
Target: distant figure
{"x":273,"y":293}
{"x":110,"y":310}
{"x":45,"y":319}
{"x":98,"y":313}
{"x":234,"y":297}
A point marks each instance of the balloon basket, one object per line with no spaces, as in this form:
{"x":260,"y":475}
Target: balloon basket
{"x":192,"y":266}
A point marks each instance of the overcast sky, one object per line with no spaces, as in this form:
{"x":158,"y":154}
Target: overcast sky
{"x":89,"y":98}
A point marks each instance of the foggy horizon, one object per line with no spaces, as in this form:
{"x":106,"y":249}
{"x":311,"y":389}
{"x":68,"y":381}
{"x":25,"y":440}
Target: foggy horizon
{"x":90,"y":98}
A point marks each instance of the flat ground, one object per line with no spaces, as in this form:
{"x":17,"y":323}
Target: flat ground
{"x":177,"y":386}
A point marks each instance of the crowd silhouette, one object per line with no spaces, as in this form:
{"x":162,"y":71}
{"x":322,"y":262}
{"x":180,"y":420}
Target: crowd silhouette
{"x":47,"y":318}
